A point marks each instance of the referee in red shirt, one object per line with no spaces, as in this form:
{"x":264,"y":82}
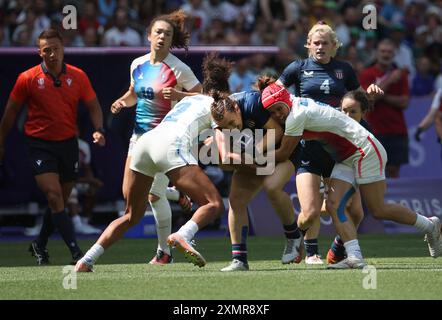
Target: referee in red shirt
{"x":52,"y":91}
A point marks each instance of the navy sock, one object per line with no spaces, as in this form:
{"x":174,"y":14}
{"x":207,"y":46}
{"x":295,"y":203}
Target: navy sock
{"x":63,"y":223}
{"x":338,"y":246}
{"x":291,"y":231}
{"x":47,"y":228}
{"x":311,"y":247}
{"x":239,"y":252}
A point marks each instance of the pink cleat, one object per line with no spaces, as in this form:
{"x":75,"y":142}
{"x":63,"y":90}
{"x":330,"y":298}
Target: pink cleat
{"x":177,"y":241}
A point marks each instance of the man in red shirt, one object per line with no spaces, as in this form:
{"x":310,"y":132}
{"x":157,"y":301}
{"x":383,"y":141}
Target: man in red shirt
{"x":52,"y":91}
{"x":387,"y":118}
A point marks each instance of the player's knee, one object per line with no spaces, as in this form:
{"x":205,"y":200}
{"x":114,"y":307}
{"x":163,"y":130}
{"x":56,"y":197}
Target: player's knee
{"x":54,"y":197}
{"x":272,"y":191}
{"x":331,"y":205}
{"x":132,"y":220}
{"x":376,"y":211}
{"x":311,"y":213}
{"x":357,"y":216}
{"x":218,"y":207}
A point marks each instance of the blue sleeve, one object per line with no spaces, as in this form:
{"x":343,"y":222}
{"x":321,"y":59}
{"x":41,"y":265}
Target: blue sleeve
{"x":290,"y":75}
{"x":351,"y":79}
{"x":260,"y":115}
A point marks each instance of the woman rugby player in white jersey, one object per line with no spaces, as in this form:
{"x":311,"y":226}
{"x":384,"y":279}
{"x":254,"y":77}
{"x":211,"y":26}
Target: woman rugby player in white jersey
{"x":360,"y":161}
{"x":168,"y":149}
{"x":157,"y":80}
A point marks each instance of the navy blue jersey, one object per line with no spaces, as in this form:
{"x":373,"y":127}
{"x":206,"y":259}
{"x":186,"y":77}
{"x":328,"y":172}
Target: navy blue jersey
{"x":326,"y":83}
{"x":253,"y":114}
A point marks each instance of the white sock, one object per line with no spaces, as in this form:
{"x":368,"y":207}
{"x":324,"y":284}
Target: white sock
{"x":163,"y":220}
{"x":188,"y":230}
{"x":172,"y":194}
{"x":76,"y":220}
{"x":423,"y":224}
{"x":353,"y":250}
{"x":93,"y":254}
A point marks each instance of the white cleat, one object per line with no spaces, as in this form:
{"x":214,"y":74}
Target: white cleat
{"x":292,"y":251}
{"x":85,"y":228}
{"x":348,"y":263}
{"x":314,"y":260}
{"x":236,"y":265}
{"x":434,"y":238}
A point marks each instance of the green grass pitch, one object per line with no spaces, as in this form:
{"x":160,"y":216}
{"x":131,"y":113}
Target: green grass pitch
{"x":404,"y":270}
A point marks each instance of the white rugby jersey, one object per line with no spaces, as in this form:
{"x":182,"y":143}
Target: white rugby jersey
{"x":340,"y":135}
{"x":189,"y":117}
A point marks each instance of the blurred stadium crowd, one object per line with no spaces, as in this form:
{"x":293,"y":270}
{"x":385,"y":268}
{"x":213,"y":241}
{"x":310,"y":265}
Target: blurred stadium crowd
{"x":414,"y":25}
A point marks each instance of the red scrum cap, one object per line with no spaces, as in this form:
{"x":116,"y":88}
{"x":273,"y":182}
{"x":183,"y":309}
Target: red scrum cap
{"x":273,"y":94}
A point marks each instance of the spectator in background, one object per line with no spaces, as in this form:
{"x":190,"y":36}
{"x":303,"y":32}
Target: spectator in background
{"x":244,"y":10}
{"x":121,"y":34}
{"x":4,"y":36}
{"x":23,"y":34}
{"x":277,"y":13}
{"x":241,"y":78}
{"x":423,"y":82}
{"x":387,"y":118}
{"x":215,"y":9}
{"x":403,"y":54}
{"x":216,"y":34}
{"x":91,"y":37}
{"x":89,"y":17}
{"x":197,"y":18}
{"x":52,"y":91}
{"x":72,"y":38}
{"x":38,"y":22}
{"x":107,"y":10}
{"x":367,"y":49}
{"x":392,"y":13}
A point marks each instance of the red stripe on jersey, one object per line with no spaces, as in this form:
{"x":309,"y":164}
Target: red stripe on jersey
{"x":360,"y":162}
{"x":341,"y":147}
{"x":377,"y":153}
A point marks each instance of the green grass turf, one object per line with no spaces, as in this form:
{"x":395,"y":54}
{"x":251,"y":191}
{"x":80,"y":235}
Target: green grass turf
{"x":404,"y":271}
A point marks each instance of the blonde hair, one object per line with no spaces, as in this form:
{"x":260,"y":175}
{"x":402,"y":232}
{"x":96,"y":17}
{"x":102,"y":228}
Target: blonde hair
{"x":323,"y":29}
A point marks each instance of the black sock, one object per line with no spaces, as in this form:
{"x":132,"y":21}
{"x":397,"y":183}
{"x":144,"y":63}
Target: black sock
{"x":63,"y":223}
{"x":291,"y":231}
{"x":311,"y":247}
{"x":338,"y":246}
{"x":47,"y":228}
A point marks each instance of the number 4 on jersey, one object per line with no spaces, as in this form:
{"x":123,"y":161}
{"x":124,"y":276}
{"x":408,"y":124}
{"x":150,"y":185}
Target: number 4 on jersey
{"x":325,"y":86}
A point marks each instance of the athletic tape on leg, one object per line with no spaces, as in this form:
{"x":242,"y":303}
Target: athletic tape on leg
{"x":341,"y":209}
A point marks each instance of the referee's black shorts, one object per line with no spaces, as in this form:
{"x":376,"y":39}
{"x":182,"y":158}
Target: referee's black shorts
{"x":54,"y":156}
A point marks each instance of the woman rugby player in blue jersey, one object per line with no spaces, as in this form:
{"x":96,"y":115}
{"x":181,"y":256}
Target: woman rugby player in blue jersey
{"x":168,"y":148}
